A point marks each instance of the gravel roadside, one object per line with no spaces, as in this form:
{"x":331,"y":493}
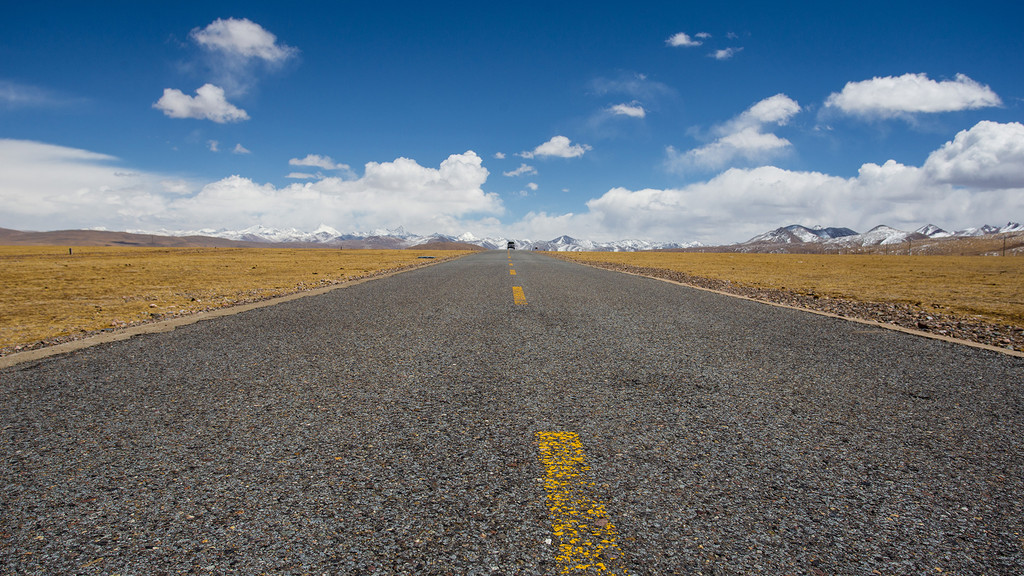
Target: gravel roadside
{"x":389,"y":428}
{"x":903,"y":315}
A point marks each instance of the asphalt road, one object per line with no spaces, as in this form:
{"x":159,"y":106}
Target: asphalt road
{"x":441,"y":422}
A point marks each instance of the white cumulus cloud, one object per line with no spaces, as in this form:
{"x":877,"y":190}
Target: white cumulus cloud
{"x":891,"y":96}
{"x":989,"y":155}
{"x":742,"y":138}
{"x":683,"y":39}
{"x":239,"y":149}
{"x":559,"y":147}
{"x":209,"y":103}
{"x":243,"y":38}
{"x":238,"y":50}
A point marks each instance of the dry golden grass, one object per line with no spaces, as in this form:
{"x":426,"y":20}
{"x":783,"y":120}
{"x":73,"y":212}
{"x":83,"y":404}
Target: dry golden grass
{"x":47,"y":293}
{"x":988,"y":287}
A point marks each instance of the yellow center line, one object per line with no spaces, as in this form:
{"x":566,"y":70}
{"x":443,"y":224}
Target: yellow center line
{"x":586,"y":536}
{"x":512,"y":272}
{"x":517,"y":295}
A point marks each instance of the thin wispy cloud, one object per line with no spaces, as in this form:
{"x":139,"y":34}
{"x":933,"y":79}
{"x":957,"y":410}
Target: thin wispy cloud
{"x":524,"y":169}
{"x":633,"y":85}
{"x":319,"y":161}
{"x":725,"y":53}
{"x":16,"y":96}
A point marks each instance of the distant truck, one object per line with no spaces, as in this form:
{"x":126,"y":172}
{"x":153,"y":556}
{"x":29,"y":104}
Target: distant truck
{"x":511,"y":245}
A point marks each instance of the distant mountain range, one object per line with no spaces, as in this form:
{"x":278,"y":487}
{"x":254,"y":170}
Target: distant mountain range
{"x":786,"y":239}
{"x":399,"y":238}
{"x":877,"y":236}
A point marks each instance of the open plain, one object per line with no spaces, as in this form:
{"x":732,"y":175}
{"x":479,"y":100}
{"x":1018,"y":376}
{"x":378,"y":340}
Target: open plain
{"x":488,"y":415}
{"x":53,"y":293}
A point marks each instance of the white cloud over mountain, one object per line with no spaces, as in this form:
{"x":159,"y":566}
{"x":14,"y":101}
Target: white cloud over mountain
{"x":892,"y":96}
{"x":46,"y":187}
{"x":977,"y":176}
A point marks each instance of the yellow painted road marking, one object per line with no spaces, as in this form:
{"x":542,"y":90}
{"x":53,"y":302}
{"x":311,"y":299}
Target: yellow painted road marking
{"x":509,"y":263}
{"x":517,"y":295}
{"x":512,"y":272}
{"x":586,"y":536}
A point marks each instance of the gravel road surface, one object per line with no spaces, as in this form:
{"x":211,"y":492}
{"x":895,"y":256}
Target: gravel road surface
{"x":392,"y":428}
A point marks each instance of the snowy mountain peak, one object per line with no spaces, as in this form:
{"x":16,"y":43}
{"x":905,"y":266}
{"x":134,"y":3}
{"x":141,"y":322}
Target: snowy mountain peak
{"x":795,"y":233}
{"x":932,"y":231}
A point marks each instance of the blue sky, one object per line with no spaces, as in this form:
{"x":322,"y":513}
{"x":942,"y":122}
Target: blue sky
{"x":672,"y":121}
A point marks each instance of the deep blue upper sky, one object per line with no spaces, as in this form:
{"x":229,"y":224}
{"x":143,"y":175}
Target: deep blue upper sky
{"x":659,"y":120}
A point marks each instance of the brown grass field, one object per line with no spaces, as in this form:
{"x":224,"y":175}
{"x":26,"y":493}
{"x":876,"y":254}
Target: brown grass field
{"x":48,"y":295}
{"x":979,"y":287}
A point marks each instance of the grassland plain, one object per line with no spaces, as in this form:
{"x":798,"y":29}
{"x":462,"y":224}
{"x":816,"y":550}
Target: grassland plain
{"x":50,"y":295}
{"x":976,"y":298}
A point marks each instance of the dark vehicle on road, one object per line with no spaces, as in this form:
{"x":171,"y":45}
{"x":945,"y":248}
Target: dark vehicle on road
{"x":511,"y":245}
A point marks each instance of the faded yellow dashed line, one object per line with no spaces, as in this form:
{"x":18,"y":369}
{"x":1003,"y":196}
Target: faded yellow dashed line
{"x":518,"y":296}
{"x":586,"y":536}
{"x":512,"y":272}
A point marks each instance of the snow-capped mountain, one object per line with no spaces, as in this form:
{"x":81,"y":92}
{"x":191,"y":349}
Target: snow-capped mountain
{"x":879,"y":235}
{"x":986,"y":229}
{"x":796,"y":233}
{"x":932,"y":231}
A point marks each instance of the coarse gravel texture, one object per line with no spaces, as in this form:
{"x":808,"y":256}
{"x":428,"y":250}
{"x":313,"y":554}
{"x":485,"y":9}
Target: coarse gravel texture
{"x":388,"y":428}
